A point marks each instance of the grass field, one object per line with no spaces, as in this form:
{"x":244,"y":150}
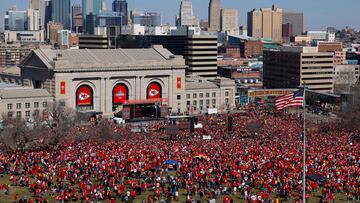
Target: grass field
{"x":22,"y":191}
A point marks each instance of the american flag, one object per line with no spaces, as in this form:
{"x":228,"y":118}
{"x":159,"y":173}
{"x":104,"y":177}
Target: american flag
{"x":290,"y":100}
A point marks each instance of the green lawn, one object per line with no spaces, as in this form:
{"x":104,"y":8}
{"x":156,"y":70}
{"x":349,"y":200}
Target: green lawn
{"x":21,"y":191}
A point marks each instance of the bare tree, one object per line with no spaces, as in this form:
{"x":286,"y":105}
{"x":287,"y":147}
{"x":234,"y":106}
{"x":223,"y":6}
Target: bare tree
{"x":60,"y":119}
{"x":350,"y":119}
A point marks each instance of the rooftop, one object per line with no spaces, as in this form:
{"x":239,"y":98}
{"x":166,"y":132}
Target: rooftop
{"x":22,"y":92}
{"x":72,"y":59}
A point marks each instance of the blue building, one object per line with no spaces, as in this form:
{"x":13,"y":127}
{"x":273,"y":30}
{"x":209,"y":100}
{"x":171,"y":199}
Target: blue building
{"x":91,"y":6}
{"x":90,"y":23}
{"x":48,"y":12}
{"x":61,"y":12}
{"x":108,"y":18}
{"x":16,"y":21}
{"x":121,"y":6}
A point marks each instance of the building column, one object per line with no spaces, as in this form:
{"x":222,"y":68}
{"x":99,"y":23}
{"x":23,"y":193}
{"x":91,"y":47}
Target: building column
{"x":138,"y":88}
{"x":103,"y":89}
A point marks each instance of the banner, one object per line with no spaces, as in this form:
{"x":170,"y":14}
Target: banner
{"x":154,"y":91}
{"x":62,"y":88}
{"x":178,"y":83}
{"x":120,"y":94}
{"x":84,"y":96}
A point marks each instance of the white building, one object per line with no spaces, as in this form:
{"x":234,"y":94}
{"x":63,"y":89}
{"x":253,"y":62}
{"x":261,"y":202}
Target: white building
{"x":34,"y":19}
{"x":24,"y":36}
{"x":186,"y":16}
{"x":230,"y":21}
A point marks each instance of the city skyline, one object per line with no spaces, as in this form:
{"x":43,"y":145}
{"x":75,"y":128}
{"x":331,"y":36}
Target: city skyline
{"x":314,"y":20}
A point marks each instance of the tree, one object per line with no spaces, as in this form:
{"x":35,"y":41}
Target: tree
{"x":350,"y":119}
{"x":60,"y":119}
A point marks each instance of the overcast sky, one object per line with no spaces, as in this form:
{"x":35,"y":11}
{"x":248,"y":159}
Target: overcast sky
{"x":319,"y":14}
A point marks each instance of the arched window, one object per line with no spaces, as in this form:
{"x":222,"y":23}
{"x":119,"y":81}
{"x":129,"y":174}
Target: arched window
{"x":154,"y":91}
{"x":85,"y":98}
{"x":120,"y":94}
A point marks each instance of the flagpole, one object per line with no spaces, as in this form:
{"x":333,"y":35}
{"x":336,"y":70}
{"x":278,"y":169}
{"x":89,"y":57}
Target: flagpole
{"x":304,"y":149}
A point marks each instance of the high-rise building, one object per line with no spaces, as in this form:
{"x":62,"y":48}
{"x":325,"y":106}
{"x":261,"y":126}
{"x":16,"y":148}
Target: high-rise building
{"x":75,"y":13}
{"x":186,"y":16}
{"x":90,"y":23}
{"x":48,"y":12}
{"x":108,"y":18}
{"x":290,"y":67}
{"x":35,"y":4}
{"x":296,"y":20}
{"x":52,"y":34}
{"x":230,"y":21}
{"x":201,"y":55}
{"x":214,"y":15}
{"x":61,"y":12}
{"x":287,"y":31}
{"x":266,"y":23}
{"x":91,"y":6}
{"x":16,"y":20}
{"x":34,"y":19}
{"x":121,"y":6}
{"x":146,"y":19}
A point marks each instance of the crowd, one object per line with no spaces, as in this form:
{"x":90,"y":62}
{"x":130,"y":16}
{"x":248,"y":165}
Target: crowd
{"x":256,"y":165}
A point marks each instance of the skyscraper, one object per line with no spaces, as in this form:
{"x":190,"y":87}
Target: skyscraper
{"x":214,"y":15}
{"x":296,"y":20}
{"x":48,"y":12}
{"x":16,"y":20}
{"x":121,"y":6}
{"x":266,"y":23}
{"x":75,"y":15}
{"x":186,"y":16}
{"x":230,"y":21}
{"x":61,"y":12}
{"x":91,"y":6}
{"x":34,"y":19}
{"x":35,"y":4}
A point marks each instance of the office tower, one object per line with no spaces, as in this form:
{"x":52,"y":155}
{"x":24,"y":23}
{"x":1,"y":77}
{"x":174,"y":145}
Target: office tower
{"x":108,"y":18}
{"x":35,"y":4}
{"x":90,"y":23}
{"x":186,"y":16}
{"x":287,"y":31}
{"x":48,"y":12}
{"x":121,"y":6}
{"x":16,"y":20}
{"x":91,"y":6}
{"x":296,"y":20}
{"x":61,"y":12}
{"x":290,"y":67}
{"x":146,"y":19}
{"x":230,"y":21}
{"x":34,"y":19}
{"x":266,"y":23}
{"x":214,"y":15}
{"x":201,"y":55}
{"x":76,"y":16}
{"x":52,"y":32}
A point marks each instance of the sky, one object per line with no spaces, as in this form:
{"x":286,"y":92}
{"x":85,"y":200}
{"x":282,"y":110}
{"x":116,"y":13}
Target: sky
{"x":319,"y":14}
